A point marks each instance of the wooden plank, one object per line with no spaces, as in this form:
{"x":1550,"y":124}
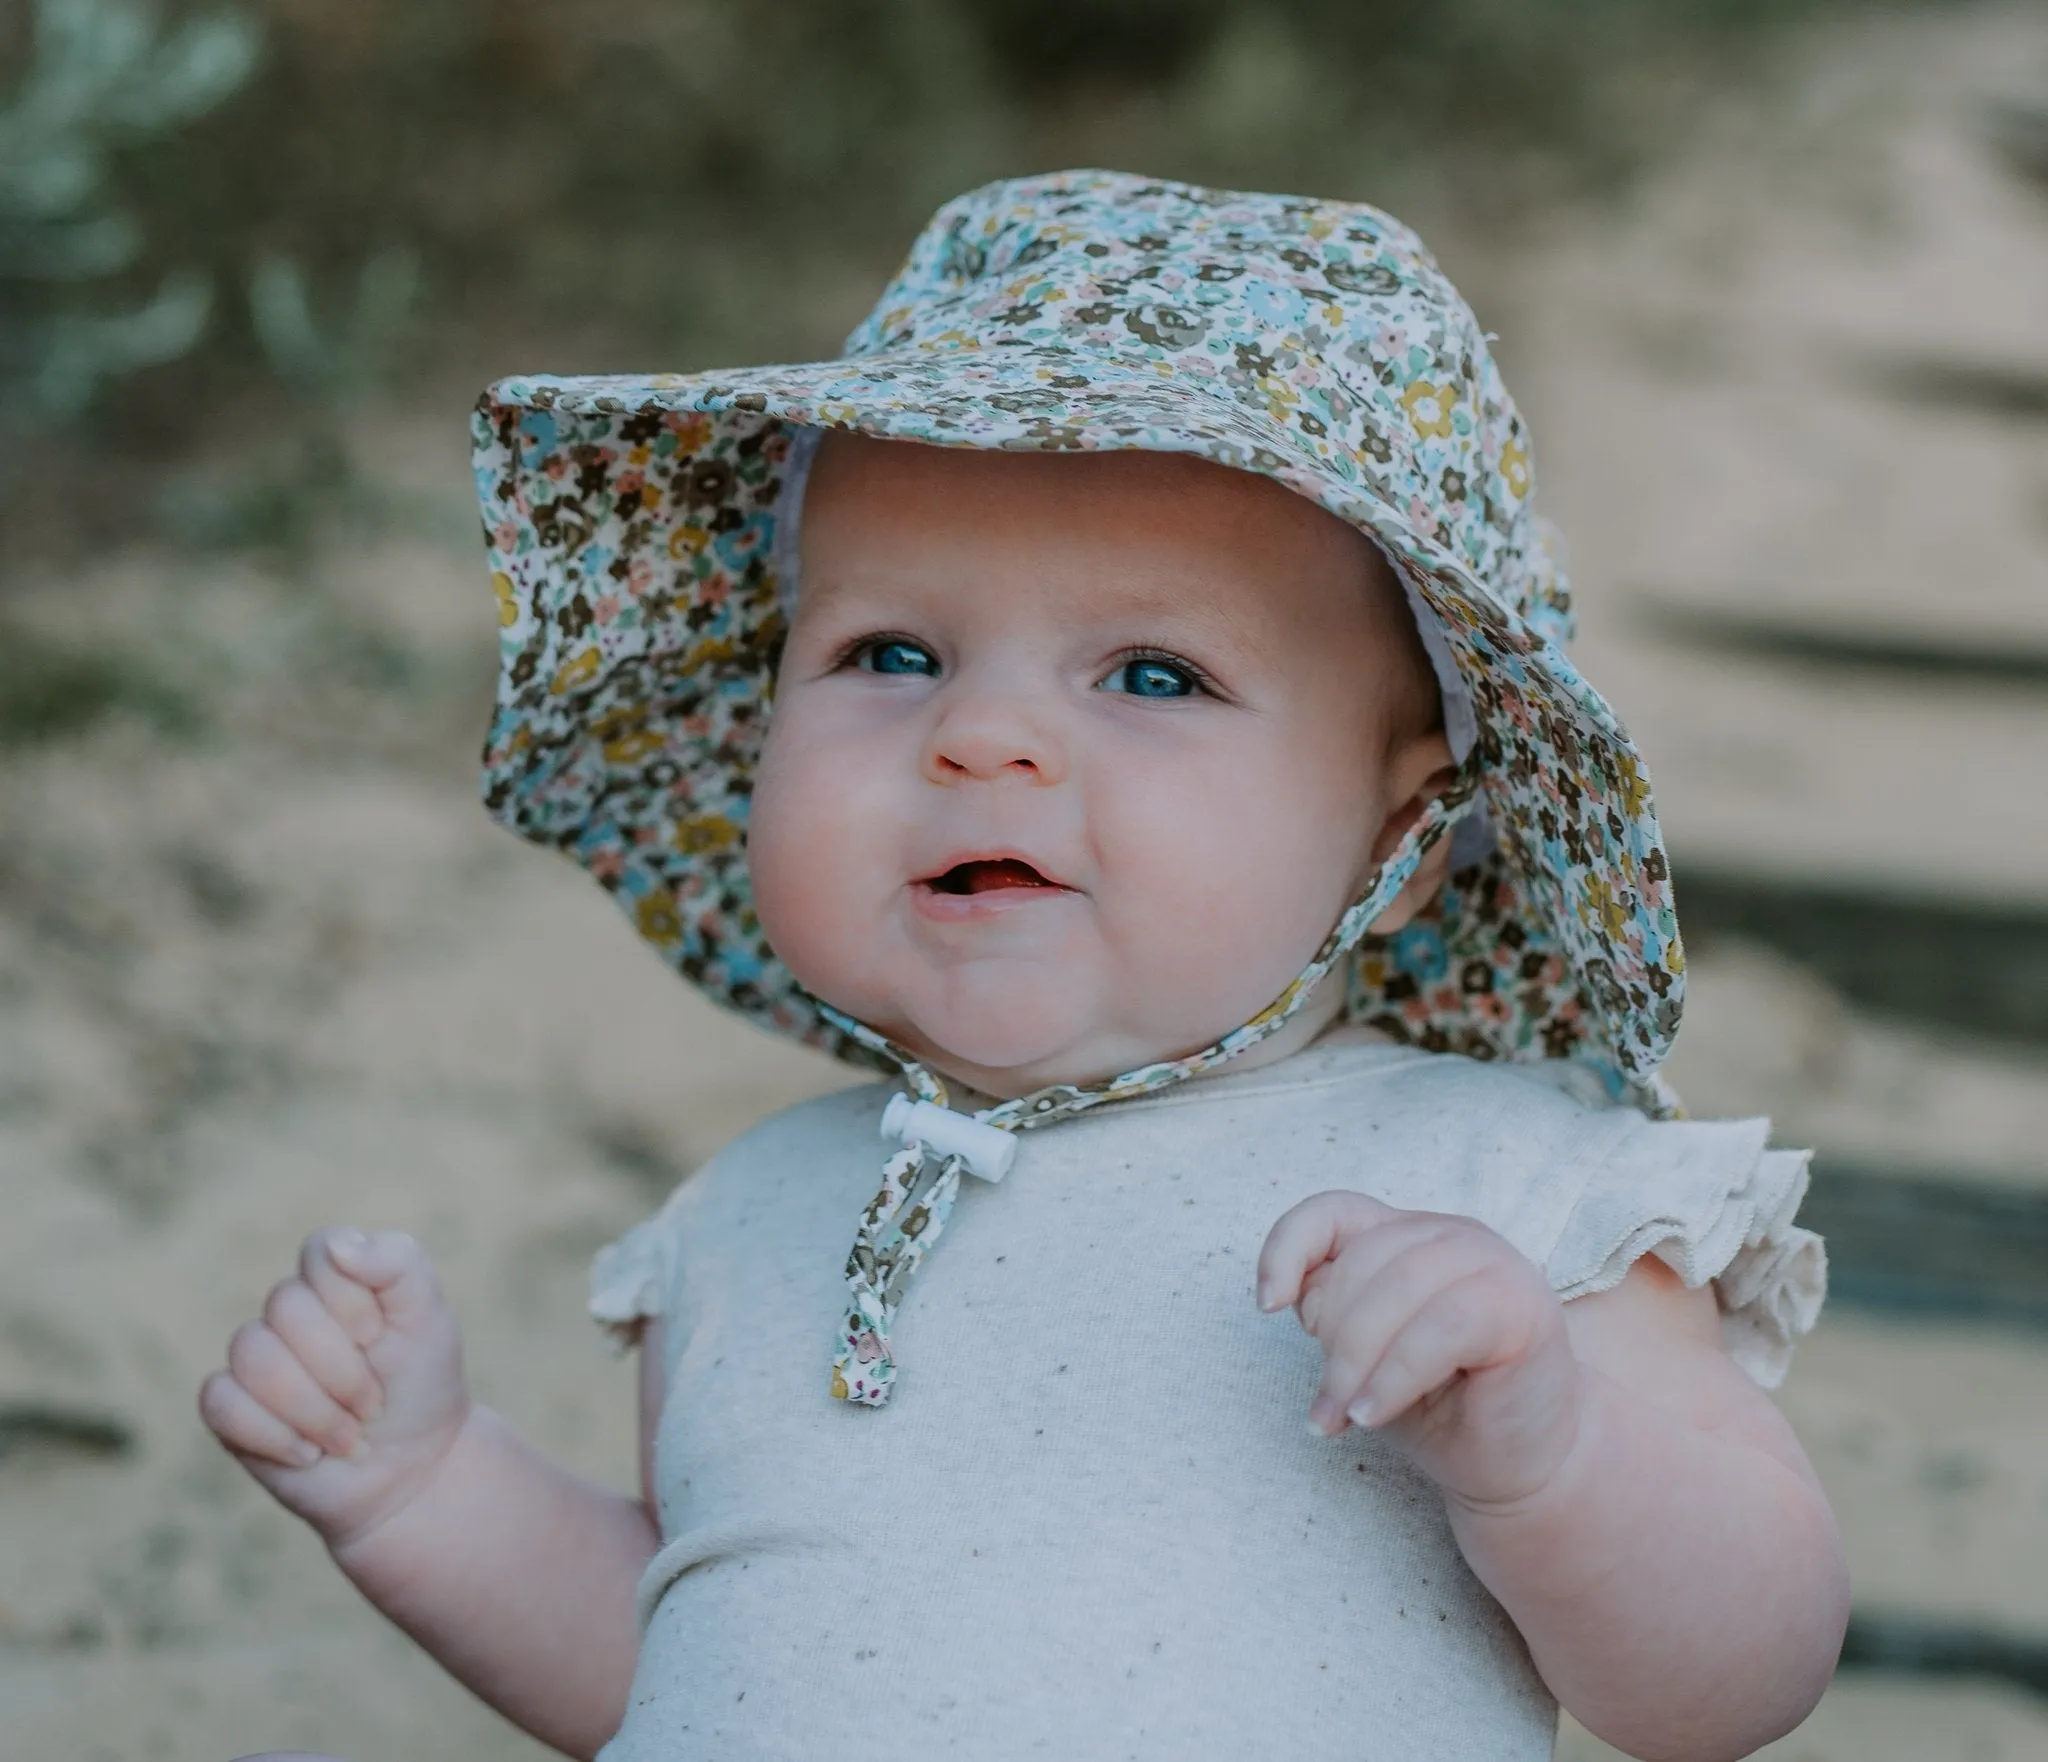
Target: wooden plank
{"x":1968,"y":963}
{"x":1927,"y":1244}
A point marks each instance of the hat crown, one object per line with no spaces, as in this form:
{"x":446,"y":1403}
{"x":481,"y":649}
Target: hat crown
{"x":1331,"y":317}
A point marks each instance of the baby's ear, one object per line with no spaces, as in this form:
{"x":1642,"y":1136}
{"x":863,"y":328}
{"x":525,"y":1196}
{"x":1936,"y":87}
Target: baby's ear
{"x":1423,"y":886}
{"x":1417,"y":773}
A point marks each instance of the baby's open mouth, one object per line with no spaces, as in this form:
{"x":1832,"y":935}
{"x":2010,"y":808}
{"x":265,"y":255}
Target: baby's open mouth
{"x":989,"y":875}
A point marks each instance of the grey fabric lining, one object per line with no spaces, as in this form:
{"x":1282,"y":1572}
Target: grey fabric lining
{"x":785,"y":559}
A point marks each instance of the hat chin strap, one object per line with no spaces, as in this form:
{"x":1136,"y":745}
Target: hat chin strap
{"x":940,"y":1144}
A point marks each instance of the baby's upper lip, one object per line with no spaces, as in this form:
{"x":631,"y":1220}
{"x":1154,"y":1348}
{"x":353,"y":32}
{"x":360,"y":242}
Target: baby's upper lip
{"x":993,"y":854}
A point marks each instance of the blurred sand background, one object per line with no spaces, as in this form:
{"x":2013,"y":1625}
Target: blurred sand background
{"x":270,"y":967}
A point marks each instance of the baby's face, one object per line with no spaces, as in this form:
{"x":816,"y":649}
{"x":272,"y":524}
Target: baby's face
{"x":1076,"y":759}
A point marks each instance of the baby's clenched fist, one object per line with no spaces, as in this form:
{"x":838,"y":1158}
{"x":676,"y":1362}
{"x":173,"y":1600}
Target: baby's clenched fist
{"x":346,"y":1396}
{"x":1435,"y":1328}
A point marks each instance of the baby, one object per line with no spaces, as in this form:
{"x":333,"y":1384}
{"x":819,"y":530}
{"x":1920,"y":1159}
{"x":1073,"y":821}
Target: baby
{"x":1174,"y":780}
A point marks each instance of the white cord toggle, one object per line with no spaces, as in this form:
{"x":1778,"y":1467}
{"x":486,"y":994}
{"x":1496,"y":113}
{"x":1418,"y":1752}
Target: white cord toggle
{"x":987,"y":1151}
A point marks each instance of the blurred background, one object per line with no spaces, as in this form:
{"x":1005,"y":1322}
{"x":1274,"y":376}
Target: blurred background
{"x":1770,"y":278}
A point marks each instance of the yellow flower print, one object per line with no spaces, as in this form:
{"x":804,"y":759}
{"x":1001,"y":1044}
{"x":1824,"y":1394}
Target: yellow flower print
{"x":508,"y":601}
{"x":687,"y":539}
{"x":579,"y":671}
{"x":1279,"y":1006}
{"x":1514,"y":468}
{"x":633,"y":746}
{"x":692,"y":432}
{"x":708,"y":653}
{"x":839,"y":1389}
{"x":705,"y":832}
{"x":1429,"y":408}
{"x":1674,"y":956}
{"x":1603,"y":905}
{"x":1635,"y":787}
{"x":658,"y":919}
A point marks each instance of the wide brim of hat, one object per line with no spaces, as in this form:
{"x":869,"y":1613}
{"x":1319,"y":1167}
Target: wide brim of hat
{"x":631,"y":524}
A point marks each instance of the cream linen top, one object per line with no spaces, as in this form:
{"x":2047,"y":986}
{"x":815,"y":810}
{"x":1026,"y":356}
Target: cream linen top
{"x":1094,"y":1521}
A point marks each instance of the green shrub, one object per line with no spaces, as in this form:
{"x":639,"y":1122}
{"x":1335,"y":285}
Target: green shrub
{"x":98,"y":76}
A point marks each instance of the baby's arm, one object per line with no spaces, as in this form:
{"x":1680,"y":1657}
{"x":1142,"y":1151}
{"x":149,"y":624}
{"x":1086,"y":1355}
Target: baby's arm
{"x":1637,"y":1505}
{"x":347,"y":1402}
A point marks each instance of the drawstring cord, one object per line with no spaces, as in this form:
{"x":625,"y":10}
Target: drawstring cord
{"x":921,"y":1180}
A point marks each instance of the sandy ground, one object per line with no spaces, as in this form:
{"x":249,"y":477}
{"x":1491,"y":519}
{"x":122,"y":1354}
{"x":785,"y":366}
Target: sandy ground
{"x":282,"y":972}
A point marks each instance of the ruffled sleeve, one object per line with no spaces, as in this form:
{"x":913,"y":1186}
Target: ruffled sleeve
{"x":1711,"y":1202}
{"x":629,"y":1281}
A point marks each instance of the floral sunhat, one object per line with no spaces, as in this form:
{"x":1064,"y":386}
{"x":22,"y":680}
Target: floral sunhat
{"x":632,"y":524}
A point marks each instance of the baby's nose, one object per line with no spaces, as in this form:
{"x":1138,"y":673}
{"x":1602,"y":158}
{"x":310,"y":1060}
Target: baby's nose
{"x":985,"y":738}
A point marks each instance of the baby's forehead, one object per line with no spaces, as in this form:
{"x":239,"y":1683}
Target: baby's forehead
{"x":1035,"y":476}
{"x":1153,"y":527}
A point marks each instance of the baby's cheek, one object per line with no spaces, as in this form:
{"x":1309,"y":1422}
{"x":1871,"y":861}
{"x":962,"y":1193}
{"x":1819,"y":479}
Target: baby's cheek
{"x":810,"y":854}
{"x":1223,"y":891}
{"x":1255,"y":850}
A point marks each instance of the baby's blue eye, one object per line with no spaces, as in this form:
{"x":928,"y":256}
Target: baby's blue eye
{"x":1153,"y":678}
{"x":898,"y":656}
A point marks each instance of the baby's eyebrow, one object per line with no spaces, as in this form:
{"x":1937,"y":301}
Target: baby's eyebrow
{"x":1124,"y":607}
{"x":1220,"y":627}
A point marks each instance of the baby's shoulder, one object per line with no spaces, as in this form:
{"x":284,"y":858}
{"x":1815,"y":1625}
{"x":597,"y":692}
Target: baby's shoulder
{"x":828,"y":1125}
{"x":785,"y":1191}
{"x":830,"y":1143}
{"x":1451,"y":1103}
{"x":1590,"y":1187}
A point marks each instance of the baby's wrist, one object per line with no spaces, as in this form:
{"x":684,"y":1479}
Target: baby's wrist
{"x":363,"y":1537}
{"x":1525,"y":1460}
{"x":1555,"y":1462}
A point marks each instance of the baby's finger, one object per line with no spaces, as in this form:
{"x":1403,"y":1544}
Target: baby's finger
{"x":319,"y":1342}
{"x":1387,"y":1258}
{"x":396,"y":1269}
{"x":349,"y":1300}
{"x":1360,"y":1311}
{"x":1312,"y":1305}
{"x":263,"y":1364}
{"x":1466,"y":1326}
{"x":248,"y":1428}
{"x":1307,"y":1235}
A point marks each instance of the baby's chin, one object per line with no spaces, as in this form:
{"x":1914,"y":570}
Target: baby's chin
{"x":1012,"y":1049}
{"x":1003,"y":1064}
{"x":1023,"y":1044}
{"x":1008,"y":1082}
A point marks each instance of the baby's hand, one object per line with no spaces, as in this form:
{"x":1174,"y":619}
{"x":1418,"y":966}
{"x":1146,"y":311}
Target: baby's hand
{"x":1434,"y":1327}
{"x":346,"y":1397}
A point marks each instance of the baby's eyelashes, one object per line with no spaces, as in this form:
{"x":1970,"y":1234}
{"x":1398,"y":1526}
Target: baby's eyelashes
{"x":897,"y":656}
{"x":1152,"y":674}
{"x":1156,"y":676}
